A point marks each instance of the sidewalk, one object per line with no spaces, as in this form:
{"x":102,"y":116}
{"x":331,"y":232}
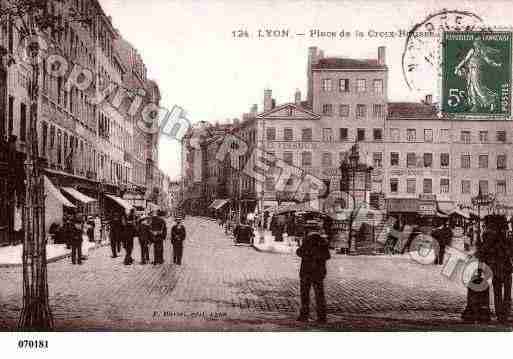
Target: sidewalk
{"x":11,"y":256}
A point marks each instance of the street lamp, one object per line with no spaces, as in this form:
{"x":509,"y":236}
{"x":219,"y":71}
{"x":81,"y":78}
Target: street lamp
{"x":478,"y":307}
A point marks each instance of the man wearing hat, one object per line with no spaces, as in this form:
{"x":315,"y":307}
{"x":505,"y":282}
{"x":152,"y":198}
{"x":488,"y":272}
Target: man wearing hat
{"x":75,"y":240}
{"x":159,"y":233}
{"x":314,"y":253}
{"x":177,"y":238}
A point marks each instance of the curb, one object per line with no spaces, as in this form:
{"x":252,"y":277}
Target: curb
{"x":50,"y":260}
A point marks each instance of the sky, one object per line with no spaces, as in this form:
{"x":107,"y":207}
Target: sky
{"x":189,"y":48}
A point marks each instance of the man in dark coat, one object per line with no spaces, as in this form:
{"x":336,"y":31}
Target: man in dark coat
{"x":177,"y":238}
{"x":497,"y":253}
{"x":443,"y":236}
{"x":75,"y":238}
{"x":314,"y":253}
{"x":129,"y":233}
{"x":144,"y":240}
{"x":115,"y":235}
{"x":159,"y":233}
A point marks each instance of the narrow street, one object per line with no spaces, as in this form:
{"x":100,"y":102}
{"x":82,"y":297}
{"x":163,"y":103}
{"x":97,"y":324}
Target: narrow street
{"x":221,"y":286}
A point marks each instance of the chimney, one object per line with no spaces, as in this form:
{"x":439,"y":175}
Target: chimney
{"x":297,"y":97}
{"x":381,"y":56}
{"x":254,"y":109}
{"x":312,"y":55}
{"x":429,"y":100}
{"x":268,"y":100}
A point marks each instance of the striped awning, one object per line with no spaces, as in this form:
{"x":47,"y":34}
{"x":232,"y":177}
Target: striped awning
{"x":120,"y":201}
{"x":79,"y":196}
{"x":51,"y":189}
{"x":218,"y":203}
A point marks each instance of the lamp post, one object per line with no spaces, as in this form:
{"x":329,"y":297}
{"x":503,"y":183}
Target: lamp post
{"x":478,"y":306}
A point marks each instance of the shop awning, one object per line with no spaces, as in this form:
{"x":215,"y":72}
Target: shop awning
{"x":299,"y":207}
{"x":403,"y":205}
{"x":51,"y":189}
{"x":79,"y":196}
{"x":220,"y":203}
{"x":126,"y":206}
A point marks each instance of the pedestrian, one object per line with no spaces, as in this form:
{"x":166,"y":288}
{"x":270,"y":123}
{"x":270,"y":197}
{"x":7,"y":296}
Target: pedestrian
{"x":144,"y":240}
{"x":90,"y":229}
{"x":129,"y":233}
{"x":443,"y":235}
{"x":115,"y":235}
{"x":159,"y":233}
{"x":75,"y":239}
{"x":497,"y":252}
{"x":314,"y":253}
{"x":178,"y":235}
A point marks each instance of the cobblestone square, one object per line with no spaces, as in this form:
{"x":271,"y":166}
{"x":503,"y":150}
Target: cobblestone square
{"x":221,"y":286}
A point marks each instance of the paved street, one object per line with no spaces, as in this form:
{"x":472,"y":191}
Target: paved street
{"x":221,"y":286}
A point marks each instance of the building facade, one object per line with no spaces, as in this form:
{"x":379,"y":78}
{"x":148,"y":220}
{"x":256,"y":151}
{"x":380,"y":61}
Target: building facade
{"x":414,"y":152}
{"x":93,"y":147}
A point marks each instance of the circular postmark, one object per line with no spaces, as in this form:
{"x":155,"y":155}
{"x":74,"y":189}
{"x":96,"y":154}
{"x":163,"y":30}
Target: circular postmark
{"x":421,"y":62}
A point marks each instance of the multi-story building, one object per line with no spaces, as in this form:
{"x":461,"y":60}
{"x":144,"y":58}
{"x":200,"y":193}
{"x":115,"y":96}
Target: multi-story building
{"x":417,"y":156}
{"x":89,"y":149}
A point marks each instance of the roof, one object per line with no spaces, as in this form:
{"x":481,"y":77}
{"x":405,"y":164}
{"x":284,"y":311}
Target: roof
{"x":345,"y":63}
{"x":278,"y":112}
{"x":412,"y":110}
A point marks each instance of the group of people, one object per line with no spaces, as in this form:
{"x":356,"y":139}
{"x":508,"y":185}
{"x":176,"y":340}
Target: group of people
{"x":75,"y":230}
{"x":150,"y":231}
{"x":495,"y":250}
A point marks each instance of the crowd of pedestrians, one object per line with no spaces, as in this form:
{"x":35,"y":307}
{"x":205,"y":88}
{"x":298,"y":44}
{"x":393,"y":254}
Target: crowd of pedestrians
{"x":151,"y":232}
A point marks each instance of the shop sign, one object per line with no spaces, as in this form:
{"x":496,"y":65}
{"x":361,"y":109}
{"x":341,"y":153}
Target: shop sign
{"x":293,"y":145}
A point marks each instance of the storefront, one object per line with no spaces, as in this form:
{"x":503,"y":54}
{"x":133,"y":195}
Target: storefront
{"x":405,"y":210}
{"x":57,"y":206}
{"x":117,"y":204}
{"x":85,"y":205}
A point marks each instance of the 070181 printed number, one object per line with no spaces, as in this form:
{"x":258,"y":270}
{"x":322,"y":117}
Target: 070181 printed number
{"x":32,"y":344}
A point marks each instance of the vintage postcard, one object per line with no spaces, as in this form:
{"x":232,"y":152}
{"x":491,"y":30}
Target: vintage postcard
{"x":276,"y":166}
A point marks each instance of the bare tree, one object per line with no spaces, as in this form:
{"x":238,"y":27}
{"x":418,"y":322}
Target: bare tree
{"x":31,"y":18}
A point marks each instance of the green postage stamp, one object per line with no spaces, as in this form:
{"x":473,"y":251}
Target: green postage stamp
{"x":477,"y":73}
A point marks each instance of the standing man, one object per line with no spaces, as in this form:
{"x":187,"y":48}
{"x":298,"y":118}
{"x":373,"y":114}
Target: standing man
{"x":159,"y":232}
{"x":444,"y":241}
{"x":144,"y":240}
{"x":115,"y":235}
{"x":177,"y":238}
{"x":314,"y":253}
{"x":75,"y":238}
{"x":129,"y":234}
{"x":497,"y":252}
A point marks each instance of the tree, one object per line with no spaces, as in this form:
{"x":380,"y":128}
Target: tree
{"x":31,"y":17}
